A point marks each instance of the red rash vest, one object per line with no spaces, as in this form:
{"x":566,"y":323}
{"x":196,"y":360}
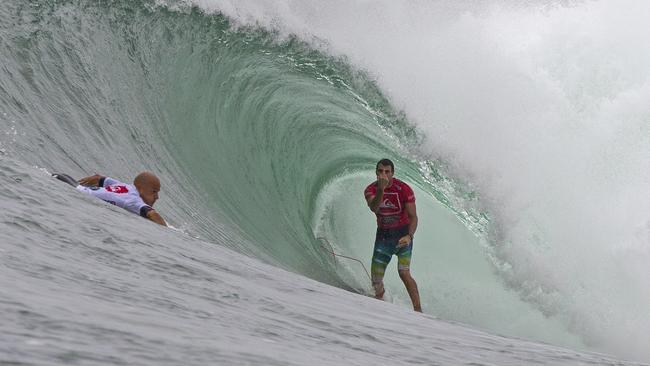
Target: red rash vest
{"x":392,"y":211}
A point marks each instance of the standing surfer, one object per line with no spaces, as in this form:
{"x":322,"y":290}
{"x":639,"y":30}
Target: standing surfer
{"x":393,"y":202}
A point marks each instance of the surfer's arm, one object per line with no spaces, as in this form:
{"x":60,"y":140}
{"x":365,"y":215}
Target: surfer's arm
{"x":98,"y":181}
{"x":155,"y":217}
{"x":413,"y":224}
{"x":413,"y":218}
{"x":375,"y":201}
{"x":91,"y":181}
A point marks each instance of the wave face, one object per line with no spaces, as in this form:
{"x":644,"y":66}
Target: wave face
{"x":264,"y":133}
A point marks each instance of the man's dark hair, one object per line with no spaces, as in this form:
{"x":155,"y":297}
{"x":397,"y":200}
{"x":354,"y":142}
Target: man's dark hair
{"x":386,"y":162}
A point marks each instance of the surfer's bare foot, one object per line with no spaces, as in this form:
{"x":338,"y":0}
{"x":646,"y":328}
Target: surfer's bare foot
{"x":380,"y":296}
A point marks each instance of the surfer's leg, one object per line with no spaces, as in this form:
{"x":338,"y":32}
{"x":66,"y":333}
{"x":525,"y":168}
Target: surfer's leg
{"x":411,"y":288}
{"x":404,"y":270}
{"x":380,"y":259}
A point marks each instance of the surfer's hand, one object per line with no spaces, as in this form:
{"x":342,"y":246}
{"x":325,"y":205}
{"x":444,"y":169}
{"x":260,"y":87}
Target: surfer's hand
{"x":404,"y":241}
{"x":382,"y":181}
{"x":91,"y":181}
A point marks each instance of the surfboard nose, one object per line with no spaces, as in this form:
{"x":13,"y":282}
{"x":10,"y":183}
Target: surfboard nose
{"x":66,"y":178}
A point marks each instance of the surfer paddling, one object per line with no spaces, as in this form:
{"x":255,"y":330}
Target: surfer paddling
{"x":393,"y":202}
{"x":137,"y":198}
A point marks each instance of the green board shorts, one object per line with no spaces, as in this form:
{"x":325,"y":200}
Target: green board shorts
{"x":385,"y":247}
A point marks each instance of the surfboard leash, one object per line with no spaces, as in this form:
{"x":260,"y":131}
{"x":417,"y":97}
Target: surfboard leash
{"x":331,"y":251}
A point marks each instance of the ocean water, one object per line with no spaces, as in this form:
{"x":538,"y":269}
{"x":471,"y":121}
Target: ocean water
{"x":522,"y":129}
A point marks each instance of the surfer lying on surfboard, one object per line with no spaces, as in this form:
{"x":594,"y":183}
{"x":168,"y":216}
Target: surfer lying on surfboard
{"x":137,"y":198}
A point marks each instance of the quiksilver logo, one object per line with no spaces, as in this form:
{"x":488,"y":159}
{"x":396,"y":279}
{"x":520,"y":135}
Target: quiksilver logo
{"x":388,"y":204}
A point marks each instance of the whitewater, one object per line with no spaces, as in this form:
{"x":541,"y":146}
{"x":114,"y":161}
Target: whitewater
{"x":523,"y":130}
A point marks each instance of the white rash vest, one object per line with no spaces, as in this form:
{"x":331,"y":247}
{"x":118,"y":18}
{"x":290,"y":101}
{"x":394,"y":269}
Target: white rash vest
{"x":119,"y":194}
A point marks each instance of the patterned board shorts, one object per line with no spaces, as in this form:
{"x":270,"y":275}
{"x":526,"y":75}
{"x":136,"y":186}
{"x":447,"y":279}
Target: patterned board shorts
{"x":385,"y":247}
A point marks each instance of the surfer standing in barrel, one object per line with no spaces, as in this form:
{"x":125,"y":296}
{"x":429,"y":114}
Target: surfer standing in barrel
{"x":393,"y":202}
